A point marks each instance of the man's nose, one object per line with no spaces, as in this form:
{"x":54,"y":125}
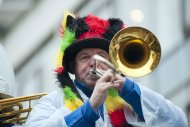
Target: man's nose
{"x":91,"y":62}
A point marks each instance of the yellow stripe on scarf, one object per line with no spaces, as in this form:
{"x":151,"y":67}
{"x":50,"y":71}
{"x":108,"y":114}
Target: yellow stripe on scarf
{"x":114,"y":103}
{"x":72,"y":105}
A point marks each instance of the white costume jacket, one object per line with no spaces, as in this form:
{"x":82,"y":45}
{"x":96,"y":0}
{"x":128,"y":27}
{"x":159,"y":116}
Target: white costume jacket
{"x":157,"y":112}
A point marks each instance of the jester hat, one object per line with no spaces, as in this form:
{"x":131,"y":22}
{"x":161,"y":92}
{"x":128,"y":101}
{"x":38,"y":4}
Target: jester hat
{"x":85,"y":32}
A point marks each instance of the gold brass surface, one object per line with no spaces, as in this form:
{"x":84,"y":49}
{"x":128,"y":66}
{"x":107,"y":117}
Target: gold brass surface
{"x":12,"y":109}
{"x":135,"y":51}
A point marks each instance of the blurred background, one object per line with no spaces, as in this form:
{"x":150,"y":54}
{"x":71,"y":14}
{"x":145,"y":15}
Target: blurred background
{"x":30,"y":38}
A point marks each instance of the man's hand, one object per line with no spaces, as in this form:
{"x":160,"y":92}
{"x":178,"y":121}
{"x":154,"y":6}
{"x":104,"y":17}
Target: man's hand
{"x":108,"y":80}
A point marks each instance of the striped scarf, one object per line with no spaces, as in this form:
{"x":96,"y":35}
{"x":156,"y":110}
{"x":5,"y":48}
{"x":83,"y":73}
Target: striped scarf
{"x":113,"y":102}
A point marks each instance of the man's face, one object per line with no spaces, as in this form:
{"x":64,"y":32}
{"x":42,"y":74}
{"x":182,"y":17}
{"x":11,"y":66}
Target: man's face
{"x":84,"y":65}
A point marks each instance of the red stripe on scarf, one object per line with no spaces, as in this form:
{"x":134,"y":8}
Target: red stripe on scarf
{"x":117,"y":118}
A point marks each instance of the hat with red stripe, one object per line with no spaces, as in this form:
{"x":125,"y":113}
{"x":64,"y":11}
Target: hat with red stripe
{"x":89,"y":31}
{"x":78,"y":33}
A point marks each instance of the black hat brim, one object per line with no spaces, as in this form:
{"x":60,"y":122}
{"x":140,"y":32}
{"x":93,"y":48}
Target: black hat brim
{"x":75,"y":47}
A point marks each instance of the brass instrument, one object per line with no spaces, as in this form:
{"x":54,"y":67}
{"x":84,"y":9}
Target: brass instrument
{"x":12,"y":110}
{"x":134,"y":52}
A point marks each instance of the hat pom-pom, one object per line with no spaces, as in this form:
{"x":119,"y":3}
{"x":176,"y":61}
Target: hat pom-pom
{"x":96,"y":24}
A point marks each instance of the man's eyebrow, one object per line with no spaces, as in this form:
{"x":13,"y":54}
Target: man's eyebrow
{"x":82,"y":53}
{"x":101,"y":52}
{"x":85,"y":52}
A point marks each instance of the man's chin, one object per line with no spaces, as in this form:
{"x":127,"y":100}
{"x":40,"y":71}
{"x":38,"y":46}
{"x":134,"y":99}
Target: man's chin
{"x":91,"y":84}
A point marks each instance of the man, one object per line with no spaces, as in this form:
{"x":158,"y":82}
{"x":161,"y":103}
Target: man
{"x":111,"y":100}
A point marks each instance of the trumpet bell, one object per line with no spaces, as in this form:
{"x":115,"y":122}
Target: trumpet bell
{"x":135,"y":51}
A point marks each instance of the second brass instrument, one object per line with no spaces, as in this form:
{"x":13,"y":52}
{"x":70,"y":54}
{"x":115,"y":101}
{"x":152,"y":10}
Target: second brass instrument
{"x":13,"y":111}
